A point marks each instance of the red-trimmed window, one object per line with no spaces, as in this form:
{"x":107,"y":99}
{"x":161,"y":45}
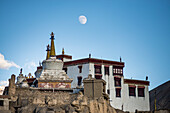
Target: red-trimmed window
{"x":117,"y":81}
{"x":132,"y":90}
{"x":98,"y":76}
{"x":97,"y":69}
{"x":141,"y":91}
{"x":117,"y":70}
{"x":106,"y":70}
{"x":118,"y":92}
{"x":98,"y":72}
{"x":80,"y":69}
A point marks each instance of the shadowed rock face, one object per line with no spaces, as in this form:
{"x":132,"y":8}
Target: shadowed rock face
{"x":162,"y":95}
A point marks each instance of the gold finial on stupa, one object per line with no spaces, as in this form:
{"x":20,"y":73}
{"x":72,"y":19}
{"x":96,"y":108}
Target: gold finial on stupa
{"x":63,"y":51}
{"x":52,"y":34}
{"x":52,"y":51}
{"x":48,"y":52}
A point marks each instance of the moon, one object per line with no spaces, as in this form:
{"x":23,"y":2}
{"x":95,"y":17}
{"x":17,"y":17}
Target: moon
{"x":82,"y":19}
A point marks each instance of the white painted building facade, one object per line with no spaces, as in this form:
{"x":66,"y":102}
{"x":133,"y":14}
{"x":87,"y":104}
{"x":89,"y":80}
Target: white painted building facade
{"x":125,"y":94}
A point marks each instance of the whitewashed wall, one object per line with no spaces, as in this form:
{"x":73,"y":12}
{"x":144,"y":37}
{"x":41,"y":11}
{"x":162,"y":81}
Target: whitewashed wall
{"x":73,"y":72}
{"x":130,"y":103}
{"x":116,"y":101}
{"x":125,"y":102}
{"x":91,"y":69}
{"x":66,"y":59}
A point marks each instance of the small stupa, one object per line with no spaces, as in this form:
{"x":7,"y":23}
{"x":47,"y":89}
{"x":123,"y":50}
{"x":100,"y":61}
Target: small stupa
{"x":20,"y":78}
{"x":52,"y":74}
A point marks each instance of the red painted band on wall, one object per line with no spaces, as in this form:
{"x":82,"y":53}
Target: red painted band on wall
{"x":132,"y":86}
{"x":141,"y":86}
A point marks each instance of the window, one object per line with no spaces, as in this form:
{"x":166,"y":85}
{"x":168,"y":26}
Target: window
{"x":108,"y":91}
{"x":117,"y":81}
{"x":114,"y":70}
{"x":121,"y":71}
{"x":97,"y":69}
{"x":141,"y":92}
{"x":98,"y":73}
{"x":118,"y":92}
{"x":98,"y":76}
{"x":1,"y":103}
{"x":80,"y":69}
{"x":106,"y":70}
{"x":117,"y":70}
{"x":132,"y":91}
{"x":65,"y":69}
{"x":79,"y":80}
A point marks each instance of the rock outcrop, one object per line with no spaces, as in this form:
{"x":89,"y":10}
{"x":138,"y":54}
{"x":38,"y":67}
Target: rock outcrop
{"x":76,"y":103}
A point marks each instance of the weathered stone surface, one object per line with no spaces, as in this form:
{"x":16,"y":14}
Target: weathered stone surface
{"x":41,"y":110}
{"x":35,"y":100}
{"x":73,"y":103}
{"x":69,"y":109}
{"x":12,"y":87}
{"x":83,"y":104}
{"x":5,"y":111}
{"x":26,"y":109}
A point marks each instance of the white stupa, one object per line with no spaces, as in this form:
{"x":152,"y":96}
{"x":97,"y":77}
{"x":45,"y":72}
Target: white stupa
{"x":52,"y":74}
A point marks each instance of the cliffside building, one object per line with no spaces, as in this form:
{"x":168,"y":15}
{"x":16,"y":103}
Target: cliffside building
{"x":60,"y":71}
{"x":125,"y":94}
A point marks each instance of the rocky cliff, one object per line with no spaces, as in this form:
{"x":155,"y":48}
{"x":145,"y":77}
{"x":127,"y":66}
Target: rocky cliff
{"x":77,"y":103}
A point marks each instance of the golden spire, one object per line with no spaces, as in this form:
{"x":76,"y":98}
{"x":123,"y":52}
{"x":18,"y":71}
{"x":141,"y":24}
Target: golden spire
{"x":48,"y":52}
{"x":52,"y":51}
{"x":63,"y":51}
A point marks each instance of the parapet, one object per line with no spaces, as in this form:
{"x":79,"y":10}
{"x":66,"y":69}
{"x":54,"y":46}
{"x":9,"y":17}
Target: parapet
{"x":95,"y":88}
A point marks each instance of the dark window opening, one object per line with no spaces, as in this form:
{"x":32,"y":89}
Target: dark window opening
{"x":1,"y":103}
{"x":79,"y":80}
{"x":117,"y":81}
{"x":98,"y":76}
{"x":118,"y":92}
{"x":80,"y":69}
{"x":141,"y":92}
{"x":132,"y":91}
{"x":97,"y":69}
{"x":108,"y":91}
{"x":106,"y":70}
{"x":65,"y":69}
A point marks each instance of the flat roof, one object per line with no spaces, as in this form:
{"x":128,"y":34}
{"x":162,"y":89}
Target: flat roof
{"x":132,"y":81}
{"x":94,"y":60}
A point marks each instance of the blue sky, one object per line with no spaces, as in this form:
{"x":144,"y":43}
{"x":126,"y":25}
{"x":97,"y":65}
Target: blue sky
{"x":136,"y":30}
